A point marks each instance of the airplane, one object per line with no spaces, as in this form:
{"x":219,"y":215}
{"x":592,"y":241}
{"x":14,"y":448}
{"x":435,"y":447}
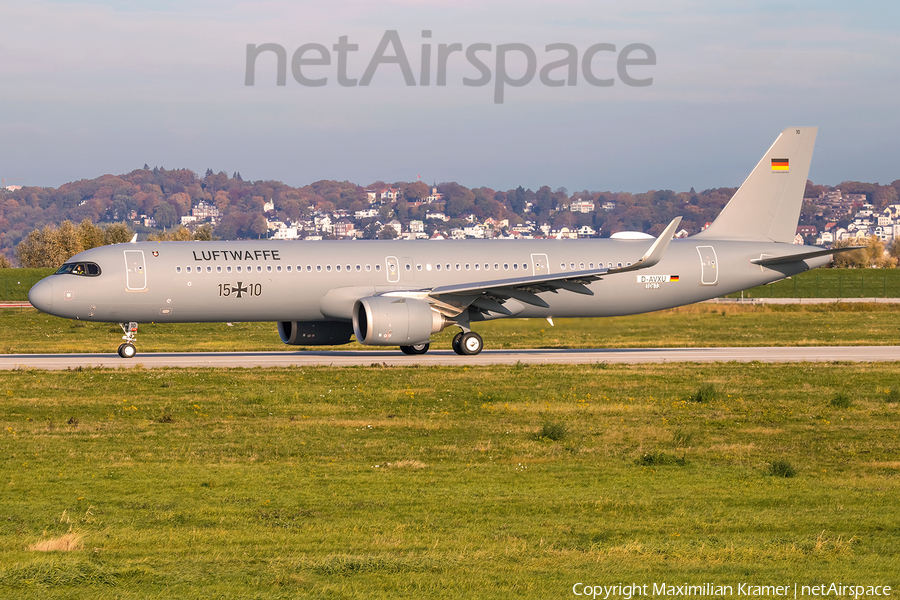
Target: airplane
{"x":400,"y":293}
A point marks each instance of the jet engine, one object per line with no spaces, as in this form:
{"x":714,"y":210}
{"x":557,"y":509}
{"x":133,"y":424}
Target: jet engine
{"x":315,"y":333}
{"x":393,"y":321}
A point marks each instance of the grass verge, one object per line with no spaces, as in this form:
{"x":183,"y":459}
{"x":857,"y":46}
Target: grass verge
{"x":406,"y":482}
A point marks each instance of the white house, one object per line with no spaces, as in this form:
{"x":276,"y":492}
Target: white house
{"x":582,"y":206}
{"x":474,"y":231}
{"x":396,"y":225}
{"x":435,"y":196}
{"x":286,"y":233}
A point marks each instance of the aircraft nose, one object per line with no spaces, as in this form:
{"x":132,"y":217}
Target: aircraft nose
{"x":41,"y":296}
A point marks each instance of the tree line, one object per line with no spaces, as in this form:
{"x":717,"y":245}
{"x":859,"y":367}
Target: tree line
{"x":169,"y":194}
{"x":52,"y":246}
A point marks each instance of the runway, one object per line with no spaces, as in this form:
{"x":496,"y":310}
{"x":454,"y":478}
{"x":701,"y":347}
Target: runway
{"x":448,"y":358}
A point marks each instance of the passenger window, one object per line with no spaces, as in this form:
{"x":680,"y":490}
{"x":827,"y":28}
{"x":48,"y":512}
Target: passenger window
{"x":228,"y":268}
{"x":562,"y":266}
{"x":328,"y":268}
{"x":238,"y":268}
{"x":338,"y":267}
{"x":288,"y":268}
{"x":218,"y":268}
{"x":477,"y":266}
{"x":319,"y":268}
{"x":506,"y":266}
{"x":368,"y":268}
{"x":178,"y":269}
{"x":208,"y":268}
{"x":378,"y":267}
{"x":259,"y":268}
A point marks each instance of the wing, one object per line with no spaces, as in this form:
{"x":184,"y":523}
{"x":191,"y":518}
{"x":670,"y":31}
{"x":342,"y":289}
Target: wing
{"x":490,"y":295}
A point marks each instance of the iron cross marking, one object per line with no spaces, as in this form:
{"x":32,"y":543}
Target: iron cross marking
{"x":240,"y":289}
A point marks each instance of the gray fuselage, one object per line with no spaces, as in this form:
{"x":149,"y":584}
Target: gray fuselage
{"x":177,"y":282}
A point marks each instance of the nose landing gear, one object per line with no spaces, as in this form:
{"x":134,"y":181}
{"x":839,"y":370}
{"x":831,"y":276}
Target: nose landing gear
{"x":127,"y":349}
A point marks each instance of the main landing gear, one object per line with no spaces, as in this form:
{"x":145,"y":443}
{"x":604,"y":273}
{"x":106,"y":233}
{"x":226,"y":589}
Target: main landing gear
{"x":467,"y":343}
{"x":415,"y":349}
{"x":127,"y":349}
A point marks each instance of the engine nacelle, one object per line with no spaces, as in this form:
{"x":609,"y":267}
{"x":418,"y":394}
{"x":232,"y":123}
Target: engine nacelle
{"x":315,"y":333}
{"x":394,"y":321}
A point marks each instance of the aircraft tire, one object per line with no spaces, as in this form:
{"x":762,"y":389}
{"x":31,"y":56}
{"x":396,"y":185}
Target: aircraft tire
{"x":127,"y":351}
{"x":457,"y":346}
{"x":415,"y":348}
{"x":471,"y":343}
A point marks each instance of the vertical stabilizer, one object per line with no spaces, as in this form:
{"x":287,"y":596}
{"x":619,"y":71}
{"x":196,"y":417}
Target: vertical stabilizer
{"x":767,"y":205}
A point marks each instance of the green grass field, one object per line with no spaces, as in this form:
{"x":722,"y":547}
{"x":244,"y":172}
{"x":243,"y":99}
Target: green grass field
{"x":703,"y":325}
{"x":15,"y":283}
{"x":832,"y":283}
{"x":406,"y":482}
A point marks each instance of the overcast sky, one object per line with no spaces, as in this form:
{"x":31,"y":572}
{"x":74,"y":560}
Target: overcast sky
{"x":88,"y":88}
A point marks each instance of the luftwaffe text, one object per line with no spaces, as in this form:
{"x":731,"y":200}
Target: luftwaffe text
{"x":237,"y":255}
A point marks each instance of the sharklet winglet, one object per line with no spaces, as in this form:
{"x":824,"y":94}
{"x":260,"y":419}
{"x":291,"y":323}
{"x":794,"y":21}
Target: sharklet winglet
{"x":656,"y":251}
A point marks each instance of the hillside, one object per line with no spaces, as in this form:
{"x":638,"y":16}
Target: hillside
{"x":154,"y":199}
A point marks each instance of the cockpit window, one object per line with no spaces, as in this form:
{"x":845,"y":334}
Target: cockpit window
{"x":87,"y":269}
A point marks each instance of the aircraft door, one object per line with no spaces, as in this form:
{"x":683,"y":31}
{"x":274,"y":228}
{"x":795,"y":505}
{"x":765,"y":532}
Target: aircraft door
{"x":393,"y":269}
{"x":135,"y":275}
{"x":407,"y":268}
{"x":539,"y":264}
{"x":709,"y":269}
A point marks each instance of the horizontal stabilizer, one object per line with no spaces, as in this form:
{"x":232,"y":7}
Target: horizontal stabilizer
{"x":792,"y":258}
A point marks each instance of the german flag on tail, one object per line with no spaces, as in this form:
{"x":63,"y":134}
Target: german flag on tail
{"x":780,"y":164}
